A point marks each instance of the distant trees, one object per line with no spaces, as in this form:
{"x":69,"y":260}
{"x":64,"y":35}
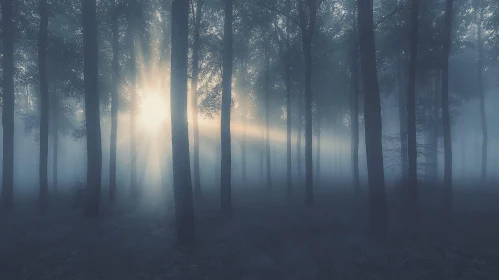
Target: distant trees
{"x":8,"y":105}
{"x":92,"y":108}
{"x":372,"y":111}
{"x":182,"y":182}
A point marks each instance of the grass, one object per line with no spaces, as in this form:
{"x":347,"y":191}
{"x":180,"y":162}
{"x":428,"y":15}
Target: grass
{"x":268,"y":238}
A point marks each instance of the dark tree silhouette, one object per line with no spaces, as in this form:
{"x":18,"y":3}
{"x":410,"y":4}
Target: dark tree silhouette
{"x":194,"y":95}
{"x":8,"y":105}
{"x":411,"y":112}
{"x":44,"y":102}
{"x":182,"y":183}
{"x":114,"y":101}
{"x":372,"y":112}
{"x":449,"y":4}
{"x":307,"y":26}
{"x":92,"y":108}
{"x":225,"y":179}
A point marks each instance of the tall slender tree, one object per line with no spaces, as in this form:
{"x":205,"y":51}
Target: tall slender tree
{"x":307,"y":26}
{"x":226,"y":106}
{"x":8,"y":105}
{"x":194,"y":94}
{"x":372,"y":112}
{"x":92,"y":109}
{"x":449,"y":5}
{"x":288,"y":98}
{"x":479,"y":10}
{"x":131,"y":30}
{"x":354,"y":68}
{"x":44,"y":101}
{"x":182,"y":182}
{"x":267,"y":115}
{"x":114,"y":102}
{"x":411,"y":112}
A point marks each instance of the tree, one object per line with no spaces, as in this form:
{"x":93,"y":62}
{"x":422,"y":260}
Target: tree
{"x":131,"y":30}
{"x":411,"y":112}
{"x":372,"y":112}
{"x":8,"y":105}
{"x":479,"y":10}
{"x":266,"y":90}
{"x":445,"y":106}
{"x":182,"y":182}
{"x":307,"y":26}
{"x":92,"y":108}
{"x":288,"y":99}
{"x":354,"y":111}
{"x":114,"y":102}
{"x":44,"y":102}
{"x":226,"y":105}
{"x":194,"y":94}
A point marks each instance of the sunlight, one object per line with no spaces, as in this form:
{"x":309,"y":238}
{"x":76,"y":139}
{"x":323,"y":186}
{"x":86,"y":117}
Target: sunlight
{"x":153,"y":112}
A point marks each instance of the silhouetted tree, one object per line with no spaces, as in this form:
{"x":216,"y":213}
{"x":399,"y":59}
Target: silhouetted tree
{"x":182,"y":183}
{"x":92,"y":108}
{"x":8,"y":105}
{"x":372,"y":112}
{"x":226,"y":106}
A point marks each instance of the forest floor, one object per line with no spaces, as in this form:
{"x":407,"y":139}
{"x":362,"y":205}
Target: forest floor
{"x":268,"y":238}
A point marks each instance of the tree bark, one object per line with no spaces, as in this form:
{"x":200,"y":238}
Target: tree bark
{"x":354,"y":111}
{"x":267,"y":117}
{"x":225,"y":136}
{"x":318,"y":146}
{"x":288,"y":101}
{"x":402,"y":106}
{"x":114,"y":103}
{"x":182,"y":183}
{"x":482,"y":93}
{"x":373,"y":125}
{"x":445,"y":107}
{"x":92,"y":109}
{"x":131,"y":30}
{"x":44,"y":102}
{"x":55,"y":139}
{"x":299,"y":137}
{"x":194,"y":91}
{"x":8,"y":106}
{"x":307,"y":25}
{"x":411,"y":115}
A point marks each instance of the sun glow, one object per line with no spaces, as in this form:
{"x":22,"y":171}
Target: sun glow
{"x":153,"y":112}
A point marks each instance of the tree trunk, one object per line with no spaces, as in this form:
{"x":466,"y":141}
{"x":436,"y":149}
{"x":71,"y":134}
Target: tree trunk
{"x":482,"y":94}
{"x":131,"y":30}
{"x":411,"y":115}
{"x":288,"y":101}
{"x":114,"y":104}
{"x":299,"y":137}
{"x":244,"y":88}
{"x":267,"y":118}
{"x":226,"y":105}
{"x":92,"y":109}
{"x":373,"y":125}
{"x":402,"y":98}
{"x":445,"y":107}
{"x":307,"y":25}
{"x":44,"y":101}
{"x":354,"y":110}
{"x":434,"y":128}
{"x":318,"y":147}
{"x":194,"y":96}
{"x":182,"y":183}
{"x":8,"y":106}
{"x":55,"y":141}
